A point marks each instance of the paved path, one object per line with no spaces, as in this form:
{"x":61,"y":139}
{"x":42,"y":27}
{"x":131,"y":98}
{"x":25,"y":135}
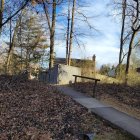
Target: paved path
{"x":117,"y":118}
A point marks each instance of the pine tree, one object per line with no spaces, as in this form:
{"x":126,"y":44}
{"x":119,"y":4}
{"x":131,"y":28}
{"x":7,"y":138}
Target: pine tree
{"x":30,"y":41}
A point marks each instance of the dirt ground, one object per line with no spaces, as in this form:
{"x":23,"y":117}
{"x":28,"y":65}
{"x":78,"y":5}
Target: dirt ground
{"x":30,"y":110}
{"x":121,"y":97}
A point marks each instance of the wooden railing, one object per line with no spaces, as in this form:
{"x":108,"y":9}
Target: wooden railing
{"x":89,"y":78}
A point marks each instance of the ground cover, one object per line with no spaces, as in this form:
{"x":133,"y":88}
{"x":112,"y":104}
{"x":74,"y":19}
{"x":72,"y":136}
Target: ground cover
{"x":30,"y":110}
{"x":123,"y":98}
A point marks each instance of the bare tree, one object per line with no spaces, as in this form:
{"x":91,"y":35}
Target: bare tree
{"x":68,"y":33}
{"x":71,"y":32}
{"x":22,"y":5}
{"x":1,"y":11}
{"x":11,"y":45}
{"x":52,"y":33}
{"x":51,"y":25}
{"x":122,"y":29}
{"x":129,"y":31}
{"x":135,"y":29}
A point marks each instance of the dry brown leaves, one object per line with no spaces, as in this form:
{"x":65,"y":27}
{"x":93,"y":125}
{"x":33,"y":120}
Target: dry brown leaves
{"x":30,"y":110}
{"x":125,"y":94}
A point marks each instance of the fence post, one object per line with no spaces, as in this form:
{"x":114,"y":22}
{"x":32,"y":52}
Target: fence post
{"x":94,"y":89}
{"x":75,"y":81}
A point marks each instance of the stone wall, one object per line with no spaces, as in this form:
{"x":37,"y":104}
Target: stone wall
{"x":60,"y":74}
{"x":65,"y":74}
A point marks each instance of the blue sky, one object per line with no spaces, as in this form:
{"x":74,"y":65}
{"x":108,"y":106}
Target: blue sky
{"x":105,"y":43}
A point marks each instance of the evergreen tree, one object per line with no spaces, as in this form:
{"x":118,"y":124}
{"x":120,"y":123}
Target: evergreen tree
{"x":30,"y":41}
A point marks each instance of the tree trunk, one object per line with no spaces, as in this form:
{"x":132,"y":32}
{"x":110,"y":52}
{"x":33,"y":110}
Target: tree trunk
{"x":122,"y":30}
{"x":128,"y":57}
{"x":20,"y":41}
{"x":71,"y":32}
{"x":52,"y":35}
{"x":1,"y":12}
{"x":10,"y":49}
{"x":11,"y":46}
{"x":68,"y":32}
{"x":47,"y":15}
{"x":122,"y":36}
{"x":135,"y":29}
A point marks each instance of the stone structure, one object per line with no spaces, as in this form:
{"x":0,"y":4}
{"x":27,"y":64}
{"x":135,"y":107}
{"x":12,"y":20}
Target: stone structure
{"x":78,"y":62}
{"x":60,"y":74}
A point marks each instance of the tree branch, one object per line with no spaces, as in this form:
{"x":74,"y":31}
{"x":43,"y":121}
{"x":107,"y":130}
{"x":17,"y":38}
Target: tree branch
{"x":9,"y":18}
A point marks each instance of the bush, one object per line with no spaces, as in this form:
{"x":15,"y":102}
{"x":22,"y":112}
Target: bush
{"x":133,"y":78}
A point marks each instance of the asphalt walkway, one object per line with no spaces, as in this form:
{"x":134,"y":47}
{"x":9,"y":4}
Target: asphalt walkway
{"x":115,"y":117}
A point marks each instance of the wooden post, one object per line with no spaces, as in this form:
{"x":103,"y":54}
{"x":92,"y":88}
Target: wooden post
{"x":75,"y":81}
{"x":94,"y":89}
{"x":95,"y":84}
